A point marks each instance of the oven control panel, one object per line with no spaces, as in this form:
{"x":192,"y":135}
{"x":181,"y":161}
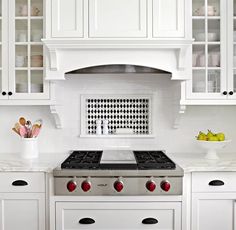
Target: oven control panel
{"x":81,"y":186}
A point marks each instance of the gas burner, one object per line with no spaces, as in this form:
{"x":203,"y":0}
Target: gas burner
{"x":153,"y":160}
{"x":82,"y":160}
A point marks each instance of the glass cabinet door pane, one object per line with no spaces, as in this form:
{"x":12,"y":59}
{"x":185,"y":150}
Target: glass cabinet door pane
{"x":198,"y":8}
{"x":21,"y":81}
{"x":213,"y":8}
{"x":21,"y":34}
{"x":199,"y":59}
{"x":37,"y":81}
{"x":199,"y":30}
{"x":213,"y":55}
{"x":199,"y":81}
{"x":213,"y":81}
{"x":21,"y":8}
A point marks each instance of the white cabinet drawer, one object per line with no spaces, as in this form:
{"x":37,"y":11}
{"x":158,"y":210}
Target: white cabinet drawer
{"x":114,"y":215}
{"x":213,"y":181}
{"x":22,"y":182}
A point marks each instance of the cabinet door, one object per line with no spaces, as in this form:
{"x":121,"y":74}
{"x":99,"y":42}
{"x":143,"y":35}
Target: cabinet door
{"x":209,"y":52}
{"x":26,"y":51}
{"x":22,"y":211}
{"x":3,"y":49}
{"x":118,"y":215}
{"x":117,"y":18}
{"x":67,"y":18}
{"x":168,"y":18}
{"x":213,"y":211}
{"x":232,"y":49}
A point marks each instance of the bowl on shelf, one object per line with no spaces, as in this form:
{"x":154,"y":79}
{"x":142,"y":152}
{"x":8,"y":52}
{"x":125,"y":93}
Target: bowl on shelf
{"x":199,"y":36}
{"x":212,"y":37}
{"x":37,"y":61}
{"x":211,"y":147}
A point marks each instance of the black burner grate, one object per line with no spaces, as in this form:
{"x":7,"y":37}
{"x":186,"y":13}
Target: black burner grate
{"x":153,"y":160}
{"x":83,"y":160}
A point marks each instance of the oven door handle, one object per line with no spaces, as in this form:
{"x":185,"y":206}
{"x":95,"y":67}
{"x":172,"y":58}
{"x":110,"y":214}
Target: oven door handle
{"x":150,"y":220}
{"x":87,"y":220}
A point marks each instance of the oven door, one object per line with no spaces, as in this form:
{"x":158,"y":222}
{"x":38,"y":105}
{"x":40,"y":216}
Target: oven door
{"x":118,"y":215}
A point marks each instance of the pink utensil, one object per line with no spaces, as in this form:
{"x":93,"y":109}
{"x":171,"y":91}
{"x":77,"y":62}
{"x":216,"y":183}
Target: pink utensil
{"x":23,"y":131}
{"x":35,"y":131}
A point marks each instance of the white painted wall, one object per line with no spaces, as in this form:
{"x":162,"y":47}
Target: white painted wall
{"x":217,"y":118}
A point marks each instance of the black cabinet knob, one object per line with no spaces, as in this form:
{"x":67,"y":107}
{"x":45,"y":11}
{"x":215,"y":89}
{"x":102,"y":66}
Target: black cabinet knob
{"x":231,"y":92}
{"x":4,"y":93}
{"x":9,"y":93}
{"x":225,"y":93}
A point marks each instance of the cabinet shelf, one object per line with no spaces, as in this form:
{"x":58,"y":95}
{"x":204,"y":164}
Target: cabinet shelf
{"x":29,"y":17}
{"x":206,"y":43}
{"x":28,"y":43}
{"x":28,"y":68}
{"x":206,"y":17}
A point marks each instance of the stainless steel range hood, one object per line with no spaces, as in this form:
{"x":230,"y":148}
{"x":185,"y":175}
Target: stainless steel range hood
{"x":118,"y":69}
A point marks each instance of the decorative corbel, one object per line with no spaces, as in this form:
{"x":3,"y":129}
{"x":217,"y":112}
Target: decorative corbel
{"x":181,"y":54}
{"x":53,"y":58}
{"x":56,"y":111}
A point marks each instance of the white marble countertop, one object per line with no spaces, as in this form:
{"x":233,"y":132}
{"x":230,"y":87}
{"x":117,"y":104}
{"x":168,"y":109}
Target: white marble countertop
{"x":44,"y":163}
{"x":190,"y":162}
{"x":197,"y":162}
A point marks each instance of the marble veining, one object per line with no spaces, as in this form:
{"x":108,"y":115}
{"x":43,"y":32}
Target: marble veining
{"x":44,"y":163}
{"x":197,"y":162}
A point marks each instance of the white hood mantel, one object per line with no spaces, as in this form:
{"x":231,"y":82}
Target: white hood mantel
{"x":173,"y":56}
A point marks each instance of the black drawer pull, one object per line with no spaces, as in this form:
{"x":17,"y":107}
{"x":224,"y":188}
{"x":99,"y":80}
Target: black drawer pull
{"x":19,"y":183}
{"x":216,"y":183}
{"x":150,"y":221}
{"x":87,"y":221}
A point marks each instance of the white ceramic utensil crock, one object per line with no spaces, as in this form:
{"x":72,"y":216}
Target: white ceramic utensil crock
{"x":29,"y":148}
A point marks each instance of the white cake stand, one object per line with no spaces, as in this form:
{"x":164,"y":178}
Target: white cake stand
{"x":211,"y":147}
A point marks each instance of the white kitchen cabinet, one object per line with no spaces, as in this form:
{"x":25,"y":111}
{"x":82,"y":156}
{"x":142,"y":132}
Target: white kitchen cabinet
{"x":22,"y":211}
{"x":213,"y":53}
{"x":121,"y":19}
{"x":67,"y":18}
{"x":118,"y":215}
{"x":117,"y":18}
{"x":22,"y":201}
{"x":168,"y":18}
{"x":213,"y":200}
{"x":22,"y":72}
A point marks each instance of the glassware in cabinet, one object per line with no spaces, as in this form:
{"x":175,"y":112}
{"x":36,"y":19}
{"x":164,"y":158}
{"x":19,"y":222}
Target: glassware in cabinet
{"x":29,"y":74}
{"x":206,"y":53}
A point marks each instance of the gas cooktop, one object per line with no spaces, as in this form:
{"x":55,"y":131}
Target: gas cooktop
{"x":142,"y":160}
{"x":118,"y":172}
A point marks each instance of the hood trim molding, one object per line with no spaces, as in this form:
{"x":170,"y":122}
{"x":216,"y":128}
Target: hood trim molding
{"x":54,"y":46}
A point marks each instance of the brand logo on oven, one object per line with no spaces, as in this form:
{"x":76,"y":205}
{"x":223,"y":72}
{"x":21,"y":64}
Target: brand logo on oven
{"x":101,"y":185}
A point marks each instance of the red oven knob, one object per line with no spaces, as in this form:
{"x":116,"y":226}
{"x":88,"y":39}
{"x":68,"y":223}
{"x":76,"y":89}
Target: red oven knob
{"x":118,"y":186}
{"x":165,"y":186}
{"x":151,"y":186}
{"x":86,"y":186}
{"x":71,"y":186}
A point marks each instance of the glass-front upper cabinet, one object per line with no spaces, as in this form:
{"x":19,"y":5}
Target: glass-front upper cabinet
{"x":232,"y":50}
{"x":26,"y":73}
{"x":209,"y":49}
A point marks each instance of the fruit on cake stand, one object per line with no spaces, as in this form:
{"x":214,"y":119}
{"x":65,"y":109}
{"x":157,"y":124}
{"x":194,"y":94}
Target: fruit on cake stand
{"x":211,"y":142}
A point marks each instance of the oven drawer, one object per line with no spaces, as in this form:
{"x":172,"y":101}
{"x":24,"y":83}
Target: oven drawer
{"x":213,"y":181}
{"x":118,"y":215}
{"x":22,"y":182}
